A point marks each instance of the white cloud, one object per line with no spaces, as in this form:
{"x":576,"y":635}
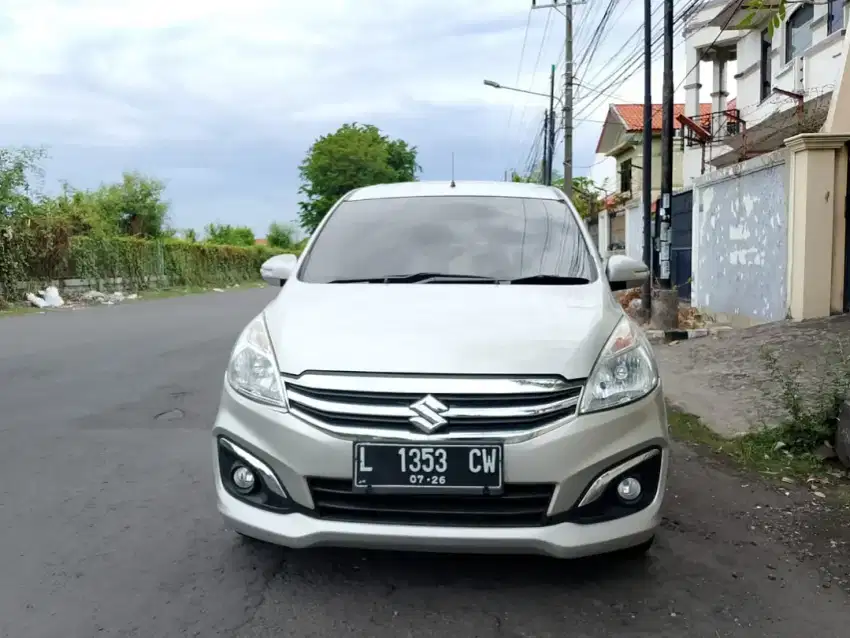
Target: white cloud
{"x":120,"y":70}
{"x":208,"y":93}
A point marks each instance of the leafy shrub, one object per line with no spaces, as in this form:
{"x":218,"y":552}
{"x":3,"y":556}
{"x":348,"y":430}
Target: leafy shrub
{"x":811,"y":405}
{"x":39,"y":250}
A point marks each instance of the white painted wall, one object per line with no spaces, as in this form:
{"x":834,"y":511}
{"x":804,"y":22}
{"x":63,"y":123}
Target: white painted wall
{"x":740,"y":232}
{"x":604,"y":234}
{"x":814,"y":73}
{"x":634,"y":229}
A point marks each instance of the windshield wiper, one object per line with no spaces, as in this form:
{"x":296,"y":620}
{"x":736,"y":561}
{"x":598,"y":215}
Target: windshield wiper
{"x":549,"y":280}
{"x":419,"y":278}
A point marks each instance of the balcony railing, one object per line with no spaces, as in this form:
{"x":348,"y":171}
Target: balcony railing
{"x":719,"y":125}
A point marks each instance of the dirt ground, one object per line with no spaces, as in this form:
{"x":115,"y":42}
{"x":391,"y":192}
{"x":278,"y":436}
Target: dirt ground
{"x":724,"y":380}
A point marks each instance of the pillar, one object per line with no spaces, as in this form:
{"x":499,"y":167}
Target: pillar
{"x":838,"y":117}
{"x":692,"y":84}
{"x":692,"y":157}
{"x":818,"y":175}
{"x":719,"y":94}
{"x":604,"y":233}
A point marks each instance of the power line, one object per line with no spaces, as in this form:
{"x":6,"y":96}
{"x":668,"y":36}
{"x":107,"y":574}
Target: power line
{"x":518,"y":73}
{"x":590,"y":50}
{"x":636,"y":63}
{"x":632,"y":66}
{"x":536,"y":66}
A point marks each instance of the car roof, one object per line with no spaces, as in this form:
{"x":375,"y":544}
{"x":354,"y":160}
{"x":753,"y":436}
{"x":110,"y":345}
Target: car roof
{"x":461,"y":189}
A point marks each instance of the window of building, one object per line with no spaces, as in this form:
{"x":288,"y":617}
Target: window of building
{"x":626,"y":176}
{"x":835,"y":16}
{"x":798,"y":32}
{"x":765,"y":65}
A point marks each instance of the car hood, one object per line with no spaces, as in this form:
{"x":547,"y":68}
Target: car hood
{"x":448,"y":329}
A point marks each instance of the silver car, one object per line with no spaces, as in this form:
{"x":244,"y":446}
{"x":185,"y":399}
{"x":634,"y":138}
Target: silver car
{"x":445,"y":368}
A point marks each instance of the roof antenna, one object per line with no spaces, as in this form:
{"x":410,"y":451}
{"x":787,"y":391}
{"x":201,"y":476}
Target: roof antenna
{"x":453,"y":171}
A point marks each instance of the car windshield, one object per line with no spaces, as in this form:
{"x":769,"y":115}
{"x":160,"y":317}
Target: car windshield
{"x":499,"y":238}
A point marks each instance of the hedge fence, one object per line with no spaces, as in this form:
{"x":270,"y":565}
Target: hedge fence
{"x":41,"y":251}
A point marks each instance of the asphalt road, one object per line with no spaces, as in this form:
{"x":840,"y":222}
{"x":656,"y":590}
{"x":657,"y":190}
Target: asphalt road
{"x":108,"y":526}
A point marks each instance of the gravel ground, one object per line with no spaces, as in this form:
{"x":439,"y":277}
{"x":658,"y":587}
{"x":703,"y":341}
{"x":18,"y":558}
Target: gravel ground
{"x":724,"y":380}
{"x":109,"y":527}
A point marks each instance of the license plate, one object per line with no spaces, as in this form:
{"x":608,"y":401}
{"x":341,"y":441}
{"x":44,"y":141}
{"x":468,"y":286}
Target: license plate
{"x":445,"y":468}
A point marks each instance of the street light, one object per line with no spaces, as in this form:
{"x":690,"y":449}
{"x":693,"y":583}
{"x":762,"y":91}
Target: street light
{"x":496,"y":85}
{"x":549,"y":127}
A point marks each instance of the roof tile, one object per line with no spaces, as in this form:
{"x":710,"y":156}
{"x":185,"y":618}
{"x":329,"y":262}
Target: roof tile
{"x":632,"y":115}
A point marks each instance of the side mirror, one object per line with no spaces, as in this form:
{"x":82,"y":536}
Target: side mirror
{"x":276,"y":270}
{"x":622,"y":269}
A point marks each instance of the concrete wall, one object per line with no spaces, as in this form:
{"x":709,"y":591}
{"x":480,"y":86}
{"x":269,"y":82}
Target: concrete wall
{"x":604,"y":233}
{"x":634,"y":229}
{"x":740,"y":241}
{"x":813,"y":73}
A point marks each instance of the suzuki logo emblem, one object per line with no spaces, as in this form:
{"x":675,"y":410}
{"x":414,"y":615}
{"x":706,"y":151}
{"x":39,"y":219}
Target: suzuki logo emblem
{"x":429,"y":411}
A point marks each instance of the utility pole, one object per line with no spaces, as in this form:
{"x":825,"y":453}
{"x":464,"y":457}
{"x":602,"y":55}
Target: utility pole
{"x":568,"y":101}
{"x":568,"y":85}
{"x":544,"y":176}
{"x":666,"y":148}
{"x":646,"y":292}
{"x":665,"y":314}
{"x":551,"y":124}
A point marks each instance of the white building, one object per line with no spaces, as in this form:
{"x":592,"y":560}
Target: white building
{"x":783,"y":87}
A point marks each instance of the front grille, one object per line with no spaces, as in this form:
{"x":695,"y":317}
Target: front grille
{"x":520,"y":505}
{"x":525,"y":407}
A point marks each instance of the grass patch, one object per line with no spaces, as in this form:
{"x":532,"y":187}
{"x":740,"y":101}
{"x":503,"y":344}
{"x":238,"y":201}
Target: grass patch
{"x":13,"y":310}
{"x":762,"y":451}
{"x":811,"y":402}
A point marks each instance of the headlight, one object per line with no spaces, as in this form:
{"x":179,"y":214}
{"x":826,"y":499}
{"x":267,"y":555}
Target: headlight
{"x":624,"y":372}
{"x":253,"y":370}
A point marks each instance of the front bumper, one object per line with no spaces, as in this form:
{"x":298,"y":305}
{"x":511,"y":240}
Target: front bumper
{"x":570,"y":457}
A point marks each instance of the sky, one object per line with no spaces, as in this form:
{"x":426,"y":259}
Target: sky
{"x":221,"y":100}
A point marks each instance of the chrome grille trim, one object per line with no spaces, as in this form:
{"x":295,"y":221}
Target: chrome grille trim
{"x":421,"y":385}
{"x":406,"y":413}
{"x":371,"y":407}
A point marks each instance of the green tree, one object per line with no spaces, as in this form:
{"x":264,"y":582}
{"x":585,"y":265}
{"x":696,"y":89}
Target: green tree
{"x":190,"y":235}
{"x":355,"y":155}
{"x":134,"y":205}
{"x":227,"y":235}
{"x":18,"y":167}
{"x":760,"y":11}
{"x":281,"y":236}
{"x":587,"y":196}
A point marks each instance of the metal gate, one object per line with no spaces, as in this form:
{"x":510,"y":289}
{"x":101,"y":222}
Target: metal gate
{"x":681,"y":242}
{"x":847,"y":240}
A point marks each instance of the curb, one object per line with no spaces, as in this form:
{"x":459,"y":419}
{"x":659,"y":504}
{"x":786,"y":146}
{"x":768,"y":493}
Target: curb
{"x":673,"y":336}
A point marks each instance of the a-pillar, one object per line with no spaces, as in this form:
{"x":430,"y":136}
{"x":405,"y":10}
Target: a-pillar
{"x":818,"y":186}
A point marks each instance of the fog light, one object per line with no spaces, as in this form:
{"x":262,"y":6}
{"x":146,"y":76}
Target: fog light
{"x":243,"y":478}
{"x":629,"y":489}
